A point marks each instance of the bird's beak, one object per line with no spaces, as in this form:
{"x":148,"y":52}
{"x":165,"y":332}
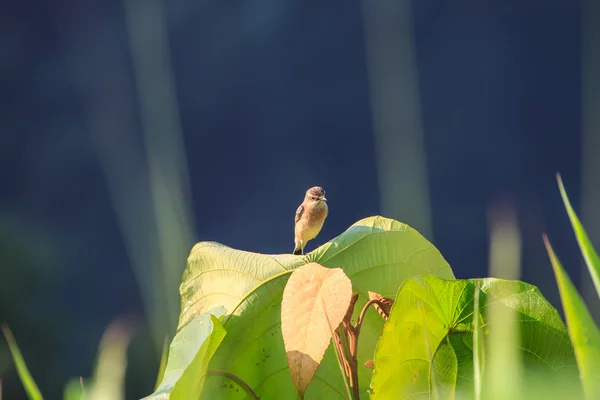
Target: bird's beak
{"x":323,"y":198}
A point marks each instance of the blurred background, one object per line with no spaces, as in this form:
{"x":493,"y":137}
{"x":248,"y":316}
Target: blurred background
{"x":132,"y":129}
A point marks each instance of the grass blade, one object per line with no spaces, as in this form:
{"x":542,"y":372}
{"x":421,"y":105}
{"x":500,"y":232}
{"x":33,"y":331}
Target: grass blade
{"x":108,"y":381}
{"x":477,"y":344}
{"x":26,"y":379}
{"x":583,"y":331}
{"x":503,"y":378}
{"x":589,"y":254}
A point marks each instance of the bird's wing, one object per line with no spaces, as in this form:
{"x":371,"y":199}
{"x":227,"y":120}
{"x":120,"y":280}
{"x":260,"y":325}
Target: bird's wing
{"x":299,"y":212}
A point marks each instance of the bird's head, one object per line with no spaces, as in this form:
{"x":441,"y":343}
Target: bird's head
{"x":316,"y":194}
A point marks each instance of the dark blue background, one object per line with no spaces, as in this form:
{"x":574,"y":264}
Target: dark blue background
{"x":273,"y":98}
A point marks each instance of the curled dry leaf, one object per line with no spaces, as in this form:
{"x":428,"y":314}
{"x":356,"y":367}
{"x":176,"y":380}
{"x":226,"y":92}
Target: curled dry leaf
{"x":314,"y":298}
{"x":384,"y":305}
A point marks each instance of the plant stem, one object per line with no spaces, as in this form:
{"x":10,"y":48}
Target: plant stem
{"x":230,"y":375}
{"x":339,"y":351}
{"x":347,"y":341}
{"x":336,"y":335}
{"x":361,"y":316}
{"x":359,"y":323}
{"x":352,"y":346}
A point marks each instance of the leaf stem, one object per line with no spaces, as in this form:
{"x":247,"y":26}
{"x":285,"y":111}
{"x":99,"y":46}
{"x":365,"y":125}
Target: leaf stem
{"x":230,"y":375}
{"x":338,"y":345}
{"x":361,"y":317}
{"x":346,"y":336}
{"x":339,"y":351}
{"x":352,"y":346}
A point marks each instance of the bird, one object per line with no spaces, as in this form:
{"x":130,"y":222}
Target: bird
{"x":310,"y":217}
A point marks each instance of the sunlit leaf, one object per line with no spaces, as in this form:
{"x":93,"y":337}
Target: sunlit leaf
{"x":314,"y":300}
{"x":426,"y":349}
{"x":587,"y":250}
{"x":189,"y":355}
{"x":26,"y":379}
{"x":376,"y":253}
{"x":583,"y":331}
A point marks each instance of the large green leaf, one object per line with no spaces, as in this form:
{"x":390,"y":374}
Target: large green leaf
{"x":189,"y":355}
{"x":376,"y":253}
{"x":582,"y":329}
{"x":587,"y":250}
{"x":426,"y":349}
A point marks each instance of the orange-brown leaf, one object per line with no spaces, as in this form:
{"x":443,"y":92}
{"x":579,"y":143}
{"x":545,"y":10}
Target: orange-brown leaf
{"x":313,"y":298}
{"x":384,"y":305}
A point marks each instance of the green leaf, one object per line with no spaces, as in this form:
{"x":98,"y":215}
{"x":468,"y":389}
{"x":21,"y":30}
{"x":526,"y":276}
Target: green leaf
{"x":589,"y":254}
{"x":26,"y":379}
{"x":426,"y":348}
{"x":376,"y":253}
{"x":583,"y":331}
{"x":189,"y":355}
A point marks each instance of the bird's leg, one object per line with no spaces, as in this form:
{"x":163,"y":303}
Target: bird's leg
{"x":299,"y":248}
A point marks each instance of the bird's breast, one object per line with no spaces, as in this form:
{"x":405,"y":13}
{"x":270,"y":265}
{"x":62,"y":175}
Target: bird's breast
{"x":310,"y":226}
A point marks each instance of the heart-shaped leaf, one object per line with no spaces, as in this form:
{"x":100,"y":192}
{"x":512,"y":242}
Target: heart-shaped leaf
{"x":376,"y":253}
{"x":315,"y":301}
{"x":426,"y":349}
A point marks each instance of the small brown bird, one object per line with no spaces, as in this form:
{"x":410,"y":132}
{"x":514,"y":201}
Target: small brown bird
{"x":310,"y":217}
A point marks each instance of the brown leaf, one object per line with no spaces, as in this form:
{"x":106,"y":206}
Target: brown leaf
{"x":384,"y":307}
{"x":369,"y":364}
{"x":314,"y":297}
